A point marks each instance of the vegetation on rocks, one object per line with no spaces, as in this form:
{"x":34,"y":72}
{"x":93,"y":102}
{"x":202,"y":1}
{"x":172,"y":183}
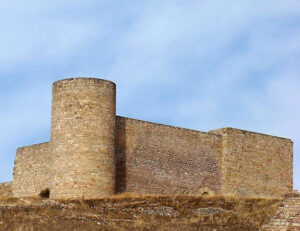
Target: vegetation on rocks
{"x":137,"y":212}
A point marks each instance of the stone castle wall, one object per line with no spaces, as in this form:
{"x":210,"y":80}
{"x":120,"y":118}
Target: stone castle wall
{"x":255,"y":164}
{"x":83,"y":138}
{"x":6,"y":189}
{"x":32,"y":170}
{"x":155,"y":158}
{"x":287,"y":217}
{"x":94,"y":153}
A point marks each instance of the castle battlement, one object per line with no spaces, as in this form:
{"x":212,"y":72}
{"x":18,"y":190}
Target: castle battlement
{"x":94,"y":153}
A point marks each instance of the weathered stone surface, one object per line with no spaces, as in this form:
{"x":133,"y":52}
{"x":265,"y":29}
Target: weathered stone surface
{"x":6,"y":189}
{"x":155,"y":158}
{"x":94,"y":153}
{"x":32,"y":170}
{"x":255,"y":164}
{"x":83,"y":138}
{"x":287,"y":218}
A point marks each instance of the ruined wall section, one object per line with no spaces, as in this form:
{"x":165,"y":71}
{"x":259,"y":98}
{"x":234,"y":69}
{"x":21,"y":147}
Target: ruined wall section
{"x":287,"y":216}
{"x":255,"y":164}
{"x":6,"y":189}
{"x":155,"y":158}
{"x":83,"y":138}
{"x":32,"y":170}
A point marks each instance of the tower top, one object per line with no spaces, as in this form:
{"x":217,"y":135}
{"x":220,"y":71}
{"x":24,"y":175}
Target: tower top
{"x":84,"y":79}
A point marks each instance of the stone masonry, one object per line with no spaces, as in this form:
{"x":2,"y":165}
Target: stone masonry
{"x":6,"y":189}
{"x":83,"y":138}
{"x":255,"y":164}
{"x":94,"y":153}
{"x":287,"y":217}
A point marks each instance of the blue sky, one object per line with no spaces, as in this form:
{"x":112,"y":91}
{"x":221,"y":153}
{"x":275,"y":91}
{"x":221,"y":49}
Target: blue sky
{"x":195,"y":64}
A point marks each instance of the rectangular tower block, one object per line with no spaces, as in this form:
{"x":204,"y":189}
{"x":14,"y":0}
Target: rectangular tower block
{"x":255,"y":164}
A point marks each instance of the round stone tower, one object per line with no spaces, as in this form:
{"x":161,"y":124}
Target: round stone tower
{"x":83,"y":138}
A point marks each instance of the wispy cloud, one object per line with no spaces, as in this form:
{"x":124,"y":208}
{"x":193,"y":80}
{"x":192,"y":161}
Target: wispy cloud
{"x":196,"y":64}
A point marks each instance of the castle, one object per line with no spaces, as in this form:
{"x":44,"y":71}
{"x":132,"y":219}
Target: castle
{"x":94,"y":153}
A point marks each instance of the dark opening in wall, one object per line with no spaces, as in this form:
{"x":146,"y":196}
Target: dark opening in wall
{"x":205,"y":194}
{"x":45,"y":193}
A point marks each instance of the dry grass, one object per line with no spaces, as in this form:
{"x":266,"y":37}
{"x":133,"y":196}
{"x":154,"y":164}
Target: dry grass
{"x":137,"y":212}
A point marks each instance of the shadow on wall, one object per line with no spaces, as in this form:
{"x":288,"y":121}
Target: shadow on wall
{"x":120,"y":157}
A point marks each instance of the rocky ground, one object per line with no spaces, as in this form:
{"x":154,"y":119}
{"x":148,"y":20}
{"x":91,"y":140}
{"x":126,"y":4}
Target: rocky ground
{"x":132,"y":212}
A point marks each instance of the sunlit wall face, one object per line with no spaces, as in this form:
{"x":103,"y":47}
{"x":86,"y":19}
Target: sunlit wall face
{"x":195,"y":64}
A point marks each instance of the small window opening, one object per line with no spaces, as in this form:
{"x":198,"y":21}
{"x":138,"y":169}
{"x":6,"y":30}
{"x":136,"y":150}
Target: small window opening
{"x":45,"y":193}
